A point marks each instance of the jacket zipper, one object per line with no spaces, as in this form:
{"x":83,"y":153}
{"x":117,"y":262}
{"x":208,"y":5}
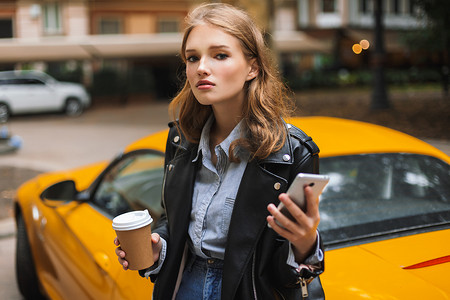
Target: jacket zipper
{"x":253,"y":277}
{"x":304,"y":287}
{"x":163,"y":196}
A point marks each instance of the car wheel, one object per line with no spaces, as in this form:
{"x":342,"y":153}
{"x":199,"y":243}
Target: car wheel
{"x":4,"y":113}
{"x":26,"y":276}
{"x":73,"y":107}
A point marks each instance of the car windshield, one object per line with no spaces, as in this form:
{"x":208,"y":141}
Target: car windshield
{"x":381,"y":195}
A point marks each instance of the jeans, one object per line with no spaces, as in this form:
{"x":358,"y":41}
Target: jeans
{"x":202,"y":279}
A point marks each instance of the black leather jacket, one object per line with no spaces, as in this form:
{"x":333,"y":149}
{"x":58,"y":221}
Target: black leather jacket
{"x":255,"y":255}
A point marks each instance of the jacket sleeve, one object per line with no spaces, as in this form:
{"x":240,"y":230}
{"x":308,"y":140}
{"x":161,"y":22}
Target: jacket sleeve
{"x":161,"y":226}
{"x":306,"y":160}
{"x":306,"y":153}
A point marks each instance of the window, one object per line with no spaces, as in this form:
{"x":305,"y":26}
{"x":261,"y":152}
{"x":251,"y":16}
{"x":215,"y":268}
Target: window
{"x":29,"y":81}
{"x":328,"y":6}
{"x":132,"y":183}
{"x":21,"y":81}
{"x":52,"y":19}
{"x":395,"y":7}
{"x":109,"y":25}
{"x":6,"y":28}
{"x":378,"y":194}
{"x":412,"y":7}
{"x":168,"y":25}
{"x":366,"y":6}
{"x":363,"y":6}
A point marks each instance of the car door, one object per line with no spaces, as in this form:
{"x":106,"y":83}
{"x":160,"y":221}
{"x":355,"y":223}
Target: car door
{"x":75,"y":244}
{"x":31,"y":95}
{"x":78,"y":236}
{"x":132,"y":182}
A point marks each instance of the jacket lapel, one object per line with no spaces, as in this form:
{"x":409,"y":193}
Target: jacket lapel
{"x":179,"y":184}
{"x":258,"y":189}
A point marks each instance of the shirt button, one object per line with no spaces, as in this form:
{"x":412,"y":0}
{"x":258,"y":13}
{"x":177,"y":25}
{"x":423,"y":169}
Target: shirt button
{"x":210,"y":261}
{"x":286,"y":157}
{"x":277,"y":186}
{"x":176,"y":139}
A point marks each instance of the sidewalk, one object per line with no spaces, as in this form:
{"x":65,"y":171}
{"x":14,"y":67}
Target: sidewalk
{"x":7,"y":228}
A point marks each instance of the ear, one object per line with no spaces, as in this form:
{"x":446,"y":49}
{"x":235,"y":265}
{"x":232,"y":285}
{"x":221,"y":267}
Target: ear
{"x":254,"y":69}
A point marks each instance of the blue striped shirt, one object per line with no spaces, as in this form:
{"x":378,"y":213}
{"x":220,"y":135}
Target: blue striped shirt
{"x":215,"y":190}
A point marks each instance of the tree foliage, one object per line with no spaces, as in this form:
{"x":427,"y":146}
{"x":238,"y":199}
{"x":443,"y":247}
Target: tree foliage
{"x":435,"y":36}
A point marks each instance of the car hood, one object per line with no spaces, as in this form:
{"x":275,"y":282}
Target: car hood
{"x":412,"y":267}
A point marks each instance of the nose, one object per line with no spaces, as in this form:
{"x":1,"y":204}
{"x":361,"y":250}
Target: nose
{"x":203,"y":68}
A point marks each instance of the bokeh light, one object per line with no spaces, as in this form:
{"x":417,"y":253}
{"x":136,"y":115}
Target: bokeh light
{"x":357,"y":48}
{"x":364,"y":44}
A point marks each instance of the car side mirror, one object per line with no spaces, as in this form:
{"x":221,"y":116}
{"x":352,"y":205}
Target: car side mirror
{"x":61,"y":191}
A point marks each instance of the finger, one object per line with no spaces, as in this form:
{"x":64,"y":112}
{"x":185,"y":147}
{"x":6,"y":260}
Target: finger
{"x":116,"y":241}
{"x":277,"y":214}
{"x":156,"y":238}
{"x":124,"y":263}
{"x":296,"y":212}
{"x":275,"y":225}
{"x":279,"y":222}
{"x":120,"y":253}
{"x":312,"y":204}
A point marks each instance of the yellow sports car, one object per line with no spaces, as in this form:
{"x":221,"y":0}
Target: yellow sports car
{"x":385,"y":218}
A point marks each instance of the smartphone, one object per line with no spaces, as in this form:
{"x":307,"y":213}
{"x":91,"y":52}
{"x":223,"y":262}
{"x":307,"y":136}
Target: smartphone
{"x":296,"y":191}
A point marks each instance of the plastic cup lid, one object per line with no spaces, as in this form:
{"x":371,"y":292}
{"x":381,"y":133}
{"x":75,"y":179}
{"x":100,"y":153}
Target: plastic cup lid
{"x":132,"y":220}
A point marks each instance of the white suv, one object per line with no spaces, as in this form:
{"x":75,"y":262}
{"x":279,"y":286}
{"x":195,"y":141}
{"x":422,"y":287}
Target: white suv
{"x":23,"y":92}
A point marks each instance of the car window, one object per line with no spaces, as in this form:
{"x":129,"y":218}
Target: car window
{"x":8,"y":81}
{"x":133,"y":183}
{"x":31,"y":81}
{"x":22,"y":81}
{"x":382,"y":194}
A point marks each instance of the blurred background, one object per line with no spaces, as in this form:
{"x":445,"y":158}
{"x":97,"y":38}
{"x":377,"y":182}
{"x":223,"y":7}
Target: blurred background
{"x":124,"y":48}
{"x":381,"y":61}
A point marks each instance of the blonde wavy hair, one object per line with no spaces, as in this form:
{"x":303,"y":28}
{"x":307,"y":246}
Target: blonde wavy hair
{"x":266,"y":102}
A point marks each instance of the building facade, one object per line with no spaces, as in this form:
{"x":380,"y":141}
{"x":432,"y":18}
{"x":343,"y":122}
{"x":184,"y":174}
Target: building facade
{"x":132,"y":45}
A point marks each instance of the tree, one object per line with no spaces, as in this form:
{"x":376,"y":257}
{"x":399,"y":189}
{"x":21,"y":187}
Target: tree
{"x":435,"y":37}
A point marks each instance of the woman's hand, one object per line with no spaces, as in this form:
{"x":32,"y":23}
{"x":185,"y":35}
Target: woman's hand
{"x":156,"y":246}
{"x":301,"y":233}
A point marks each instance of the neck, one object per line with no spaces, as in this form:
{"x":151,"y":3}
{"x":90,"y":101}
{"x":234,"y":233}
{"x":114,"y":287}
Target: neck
{"x":223,"y":125}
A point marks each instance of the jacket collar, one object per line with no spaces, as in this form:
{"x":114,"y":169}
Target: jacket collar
{"x":283,"y":156}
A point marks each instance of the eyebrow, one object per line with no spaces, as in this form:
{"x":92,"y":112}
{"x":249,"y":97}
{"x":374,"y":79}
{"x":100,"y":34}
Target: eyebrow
{"x":214,"y":47}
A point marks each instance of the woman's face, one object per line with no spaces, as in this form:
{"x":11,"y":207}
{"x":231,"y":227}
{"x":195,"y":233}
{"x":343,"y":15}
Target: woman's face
{"x":216,"y":67}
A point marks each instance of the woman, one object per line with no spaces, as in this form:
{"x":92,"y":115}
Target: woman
{"x":229,"y":159}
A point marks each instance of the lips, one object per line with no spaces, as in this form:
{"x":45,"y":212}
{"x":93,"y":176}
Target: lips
{"x":203,"y":84}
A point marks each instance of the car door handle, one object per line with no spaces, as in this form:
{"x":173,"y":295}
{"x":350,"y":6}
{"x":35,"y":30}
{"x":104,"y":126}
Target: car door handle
{"x":103,"y":261}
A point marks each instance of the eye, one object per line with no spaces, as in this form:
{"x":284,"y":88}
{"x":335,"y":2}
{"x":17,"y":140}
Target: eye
{"x":221,"y":56}
{"x":192,"y":58}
